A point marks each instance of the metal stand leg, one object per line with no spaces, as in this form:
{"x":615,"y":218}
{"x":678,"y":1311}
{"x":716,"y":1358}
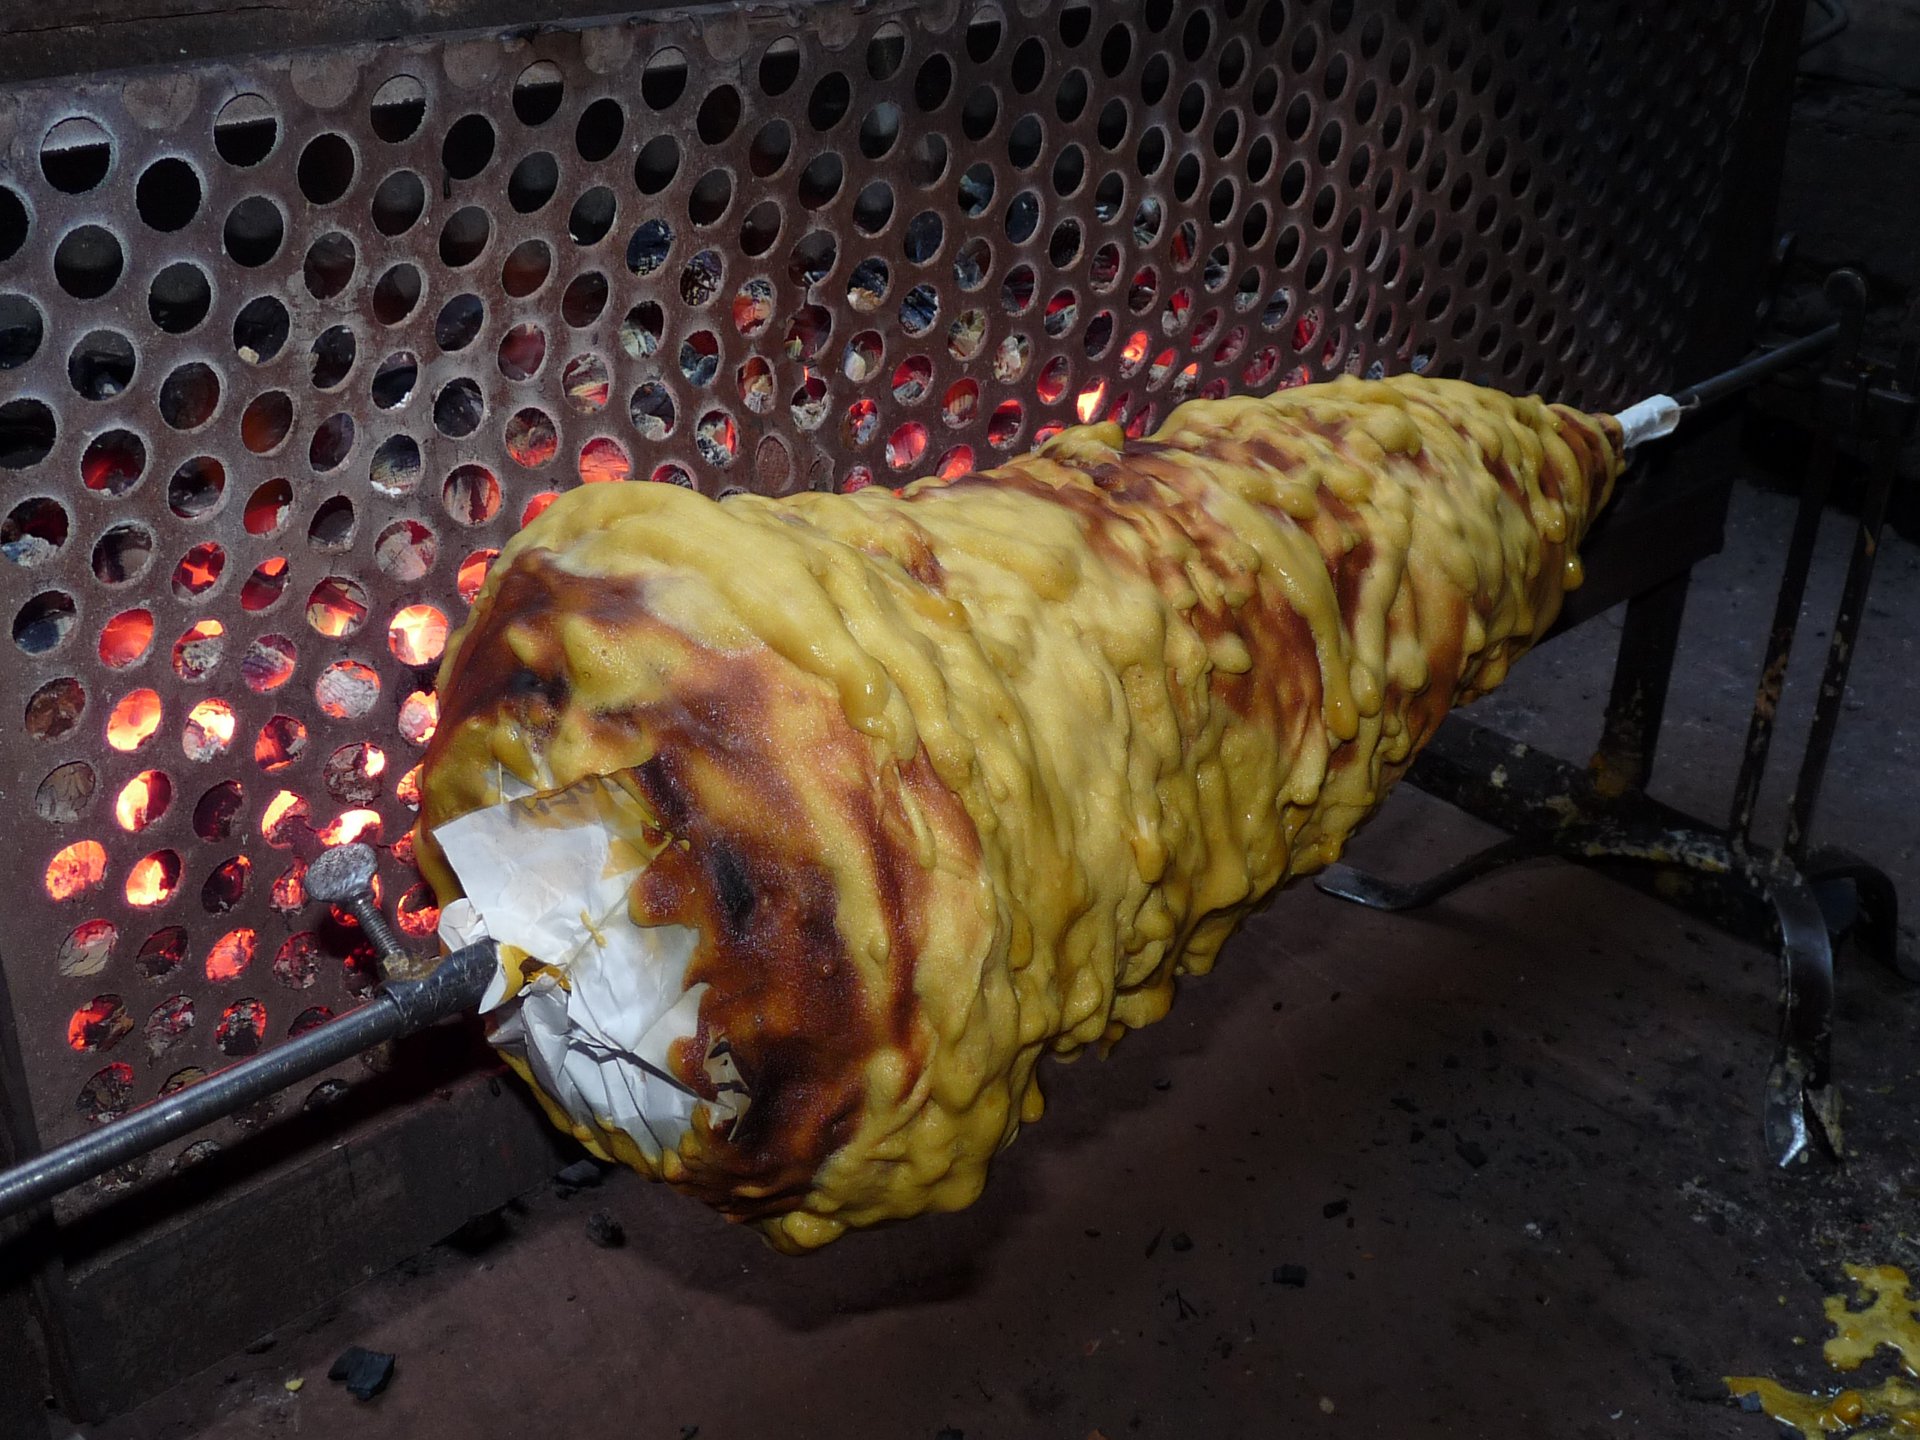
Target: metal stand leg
{"x":1347,"y":883}
{"x":1801,"y":1109}
{"x":1642,"y":673}
{"x":1878,"y":926}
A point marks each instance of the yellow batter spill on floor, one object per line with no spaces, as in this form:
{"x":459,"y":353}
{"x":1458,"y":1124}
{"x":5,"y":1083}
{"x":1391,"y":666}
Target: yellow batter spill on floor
{"x":1892,"y":1407}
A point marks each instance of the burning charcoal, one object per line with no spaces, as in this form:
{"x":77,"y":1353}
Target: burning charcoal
{"x":365,"y":1373}
{"x":605,"y":1231}
{"x":1294,"y":1277}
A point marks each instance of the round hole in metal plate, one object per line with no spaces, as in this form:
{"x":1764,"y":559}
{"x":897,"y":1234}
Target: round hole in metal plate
{"x":464,"y":235}
{"x":245,"y":130}
{"x":585,"y":298}
{"x":261,"y":329}
{"x":533,"y":182}
{"x":254,"y":231}
{"x":399,"y":106}
{"x":531,"y":439}
{"x":604,"y":460}
{"x":329,"y":265}
{"x":396,"y":293}
{"x":526,"y":269}
{"x":592,"y":216}
{"x":268,"y":664}
{"x":395,"y":467}
{"x":471,"y":495}
{"x":76,"y":155}
{"x":88,"y":262}
{"x":468,"y":147}
{"x":538,"y":93}
{"x":34,"y":531}
{"x":42,"y":625}
{"x":405,"y":550}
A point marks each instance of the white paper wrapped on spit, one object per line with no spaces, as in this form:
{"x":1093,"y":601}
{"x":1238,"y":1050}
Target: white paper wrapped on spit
{"x":551,"y":874}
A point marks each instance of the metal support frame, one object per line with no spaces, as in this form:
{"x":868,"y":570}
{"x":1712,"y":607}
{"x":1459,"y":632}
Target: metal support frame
{"x":1605,"y":817}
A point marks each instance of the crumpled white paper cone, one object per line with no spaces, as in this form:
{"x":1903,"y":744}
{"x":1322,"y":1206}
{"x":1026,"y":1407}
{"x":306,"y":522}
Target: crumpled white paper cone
{"x":551,"y":875}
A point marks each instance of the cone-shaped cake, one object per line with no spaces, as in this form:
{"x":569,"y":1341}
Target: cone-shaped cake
{"x":807,"y":825}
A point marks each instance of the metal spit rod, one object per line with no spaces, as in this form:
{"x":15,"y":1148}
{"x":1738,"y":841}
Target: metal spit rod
{"x":343,"y":876}
{"x":1659,"y":415}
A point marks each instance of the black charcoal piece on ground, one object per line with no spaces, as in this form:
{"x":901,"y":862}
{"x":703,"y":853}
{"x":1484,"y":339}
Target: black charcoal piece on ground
{"x":1294,"y":1276}
{"x":364,"y":1372}
{"x":1334,"y":1209}
{"x":1470,"y":1152}
{"x":580,"y":1175}
{"x":1182,"y":1242}
{"x":605,"y":1231}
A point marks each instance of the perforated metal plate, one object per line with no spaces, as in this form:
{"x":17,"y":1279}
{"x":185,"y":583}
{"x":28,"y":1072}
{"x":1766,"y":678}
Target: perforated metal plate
{"x":289,"y":348}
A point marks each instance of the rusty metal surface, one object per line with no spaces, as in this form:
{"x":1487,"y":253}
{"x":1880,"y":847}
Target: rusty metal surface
{"x":767,"y":249}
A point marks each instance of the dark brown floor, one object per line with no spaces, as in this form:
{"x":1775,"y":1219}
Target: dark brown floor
{"x":1513,"y":1141}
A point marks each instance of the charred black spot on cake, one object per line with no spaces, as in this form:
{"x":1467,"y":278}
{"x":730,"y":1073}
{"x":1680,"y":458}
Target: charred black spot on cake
{"x":528,"y":685}
{"x":733,"y":887}
{"x":661,"y":779}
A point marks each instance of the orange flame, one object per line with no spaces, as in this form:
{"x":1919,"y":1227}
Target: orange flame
{"x":1135,"y":350}
{"x":199,"y":568}
{"x":76,"y":869}
{"x":337,"y":607}
{"x":280,"y":742}
{"x":143,"y":800}
{"x":283,"y":811}
{"x":134,"y":720}
{"x":209,"y":730}
{"x":417,"y":912}
{"x":906,"y":445}
{"x":603,"y":460}
{"x":97,"y":1024}
{"x":290,"y":890}
{"x":152,"y":880}
{"x":375,"y":763}
{"x":351,"y":826}
{"x":124,"y":638}
{"x":1091,"y":399}
{"x":417,"y":635}
{"x":407,"y":792}
{"x":473,"y":569}
{"x":230,"y":955}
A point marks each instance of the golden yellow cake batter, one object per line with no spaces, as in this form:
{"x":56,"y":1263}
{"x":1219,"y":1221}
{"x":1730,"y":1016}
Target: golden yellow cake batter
{"x":951,"y":778}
